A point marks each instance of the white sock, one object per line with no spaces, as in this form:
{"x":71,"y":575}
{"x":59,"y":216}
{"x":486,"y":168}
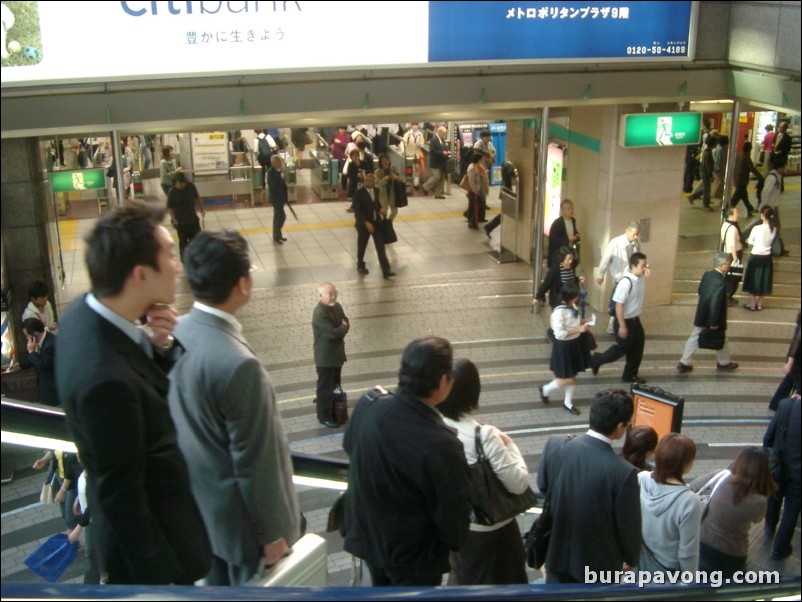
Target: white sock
{"x":569,"y":395}
{"x":551,"y":387}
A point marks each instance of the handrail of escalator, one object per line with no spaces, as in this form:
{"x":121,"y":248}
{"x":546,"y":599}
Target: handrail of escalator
{"x":43,"y":427}
{"x":688,"y":593}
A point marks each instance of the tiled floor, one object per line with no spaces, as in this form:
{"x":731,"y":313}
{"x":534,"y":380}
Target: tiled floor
{"x":448,"y":285}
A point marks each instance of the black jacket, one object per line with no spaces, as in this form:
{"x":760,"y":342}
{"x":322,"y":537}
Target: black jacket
{"x":558,"y":238}
{"x":408,"y":501}
{"x":595,"y":501}
{"x":147,"y":528}
{"x":711,"y":310}
{"x":44,"y":361}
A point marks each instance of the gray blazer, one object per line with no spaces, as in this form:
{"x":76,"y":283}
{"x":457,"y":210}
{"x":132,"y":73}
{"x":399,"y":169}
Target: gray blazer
{"x":329,"y":332}
{"x":230,"y":431}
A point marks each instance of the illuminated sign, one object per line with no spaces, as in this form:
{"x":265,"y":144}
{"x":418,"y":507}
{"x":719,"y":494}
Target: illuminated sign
{"x":84,"y":179}
{"x":554,"y":185}
{"x":210,"y":38}
{"x":657,"y":409}
{"x":660,"y":129}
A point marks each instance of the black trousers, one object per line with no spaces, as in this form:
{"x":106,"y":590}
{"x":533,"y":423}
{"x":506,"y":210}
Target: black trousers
{"x":186,"y":232}
{"x":632,"y":347}
{"x":362,"y":244}
{"x":380,"y":577}
{"x":327,"y":379}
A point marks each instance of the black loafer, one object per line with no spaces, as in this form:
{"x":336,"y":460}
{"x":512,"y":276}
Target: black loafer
{"x":543,"y":397}
{"x":571,"y":410}
{"x":594,"y":365}
{"x":330,"y":423}
{"x":362,"y":270}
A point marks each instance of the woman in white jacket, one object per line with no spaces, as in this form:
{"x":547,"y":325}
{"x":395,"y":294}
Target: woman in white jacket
{"x":494,"y":554}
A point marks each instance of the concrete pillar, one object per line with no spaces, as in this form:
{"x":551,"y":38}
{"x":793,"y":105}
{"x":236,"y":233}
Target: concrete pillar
{"x":521,"y":150}
{"x":611,"y":186}
{"x":25,"y":214}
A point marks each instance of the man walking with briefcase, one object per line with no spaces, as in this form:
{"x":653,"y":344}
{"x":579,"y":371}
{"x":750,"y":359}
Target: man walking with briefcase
{"x":711,"y":317}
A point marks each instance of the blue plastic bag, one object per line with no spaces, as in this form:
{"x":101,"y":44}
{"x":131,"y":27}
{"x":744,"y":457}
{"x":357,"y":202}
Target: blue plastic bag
{"x":53,"y":557}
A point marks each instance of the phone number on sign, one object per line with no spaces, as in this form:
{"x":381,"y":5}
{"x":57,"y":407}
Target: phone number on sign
{"x":656,"y":50}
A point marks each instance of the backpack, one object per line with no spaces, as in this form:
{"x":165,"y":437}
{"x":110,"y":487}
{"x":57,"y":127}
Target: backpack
{"x":264,"y":152}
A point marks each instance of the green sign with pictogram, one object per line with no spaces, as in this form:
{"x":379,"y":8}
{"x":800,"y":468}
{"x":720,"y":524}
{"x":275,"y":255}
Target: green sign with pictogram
{"x":83,"y":179}
{"x":660,"y":129}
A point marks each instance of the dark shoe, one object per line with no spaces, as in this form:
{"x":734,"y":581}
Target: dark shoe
{"x":681,"y":368}
{"x":782,"y":555}
{"x":283,"y":239}
{"x":785,"y":252}
{"x":730,"y":366}
{"x":362,"y":269}
{"x":487,"y":231}
{"x":733,"y":301}
{"x":424,"y":191}
{"x":482,"y":221}
{"x":635,"y":380}
{"x":571,"y":410}
{"x":691,"y":200}
{"x":543,"y":397}
{"x":388,"y":274}
{"x":594,"y":364}
{"x":709,"y":208}
{"x":473,"y":226}
{"x":278,"y":240}
{"x":439,"y":196}
{"x":349,"y":209}
{"x":330,"y":423}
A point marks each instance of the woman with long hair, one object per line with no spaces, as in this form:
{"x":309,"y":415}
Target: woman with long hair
{"x":492,"y":554}
{"x":639,"y":445}
{"x":167,"y":168}
{"x":739,"y":502}
{"x":670,"y":510}
{"x":759,"y":272}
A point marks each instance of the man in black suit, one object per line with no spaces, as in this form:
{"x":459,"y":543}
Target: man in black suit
{"x":112,"y":378}
{"x":784,"y":436}
{"x":711,"y":312}
{"x":41,"y":356}
{"x":368,"y":215}
{"x":563,"y":233}
{"x":408,"y":501}
{"x":593,"y":494}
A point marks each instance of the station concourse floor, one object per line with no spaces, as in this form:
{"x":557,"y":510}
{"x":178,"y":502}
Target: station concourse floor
{"x":447,"y":285}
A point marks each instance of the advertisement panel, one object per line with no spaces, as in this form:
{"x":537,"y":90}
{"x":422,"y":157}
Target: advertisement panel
{"x":63,"y":42}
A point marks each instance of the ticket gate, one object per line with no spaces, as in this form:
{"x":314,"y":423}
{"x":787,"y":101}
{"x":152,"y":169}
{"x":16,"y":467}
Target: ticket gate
{"x":325,"y":175}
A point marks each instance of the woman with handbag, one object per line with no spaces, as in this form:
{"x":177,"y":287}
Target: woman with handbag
{"x":386,"y":178}
{"x":492,"y":554}
{"x":759,"y":272}
{"x":570,"y":352}
{"x":559,"y":274}
{"x":737,"y":503}
{"x":670,"y":510}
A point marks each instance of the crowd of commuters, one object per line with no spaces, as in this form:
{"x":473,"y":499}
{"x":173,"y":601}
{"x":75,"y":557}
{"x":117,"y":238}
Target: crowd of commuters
{"x":210,"y":480}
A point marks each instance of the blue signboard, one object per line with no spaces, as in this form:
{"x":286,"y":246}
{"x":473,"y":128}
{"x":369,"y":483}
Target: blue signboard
{"x":559,"y":31}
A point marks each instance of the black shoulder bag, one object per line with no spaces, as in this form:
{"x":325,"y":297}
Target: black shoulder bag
{"x":492,"y":502}
{"x":536,"y":540}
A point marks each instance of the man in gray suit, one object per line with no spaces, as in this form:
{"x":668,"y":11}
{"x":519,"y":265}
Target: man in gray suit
{"x":329,"y":327}
{"x":229,"y":427}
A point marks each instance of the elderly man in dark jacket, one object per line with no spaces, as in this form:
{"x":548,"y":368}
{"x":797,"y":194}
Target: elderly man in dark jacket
{"x":329,"y":327}
{"x":711,"y":313}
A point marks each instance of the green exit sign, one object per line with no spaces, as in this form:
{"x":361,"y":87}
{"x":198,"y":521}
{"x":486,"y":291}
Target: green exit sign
{"x":84,"y":179}
{"x":660,"y":129}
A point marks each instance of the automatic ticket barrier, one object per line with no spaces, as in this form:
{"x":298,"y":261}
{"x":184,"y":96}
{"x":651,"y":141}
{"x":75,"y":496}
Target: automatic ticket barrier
{"x":325,"y":175}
